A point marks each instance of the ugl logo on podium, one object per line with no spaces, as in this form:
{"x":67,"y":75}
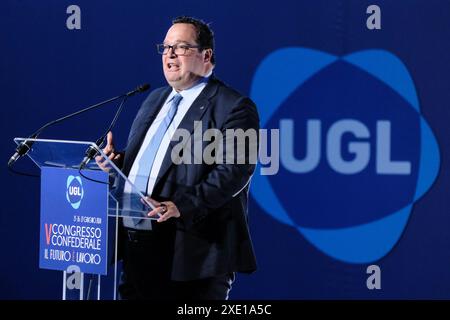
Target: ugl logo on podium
{"x":74,"y":224}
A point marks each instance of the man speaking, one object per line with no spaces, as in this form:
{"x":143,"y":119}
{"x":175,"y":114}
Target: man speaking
{"x":201,"y":238}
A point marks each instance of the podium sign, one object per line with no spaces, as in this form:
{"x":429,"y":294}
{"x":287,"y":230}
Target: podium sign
{"x":74,"y":222}
{"x":76,"y":207}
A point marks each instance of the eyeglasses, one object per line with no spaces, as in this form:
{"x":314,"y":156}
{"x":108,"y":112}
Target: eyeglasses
{"x":178,"y":49}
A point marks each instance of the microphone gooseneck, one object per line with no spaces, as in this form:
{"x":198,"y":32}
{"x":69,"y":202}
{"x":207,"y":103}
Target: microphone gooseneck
{"x":25,"y":146}
{"x":91,"y":152}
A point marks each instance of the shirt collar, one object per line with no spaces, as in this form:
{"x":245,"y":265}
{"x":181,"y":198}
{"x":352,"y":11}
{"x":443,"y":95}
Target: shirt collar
{"x":184,"y":93}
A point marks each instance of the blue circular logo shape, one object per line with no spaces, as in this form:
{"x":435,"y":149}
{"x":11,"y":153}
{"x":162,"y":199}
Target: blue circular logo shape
{"x":353,"y":143}
{"x":74,"y":192}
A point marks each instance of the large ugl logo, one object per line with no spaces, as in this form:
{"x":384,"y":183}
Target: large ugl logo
{"x":356,"y":152}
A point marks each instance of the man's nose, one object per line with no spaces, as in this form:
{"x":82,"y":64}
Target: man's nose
{"x":171,"y":52}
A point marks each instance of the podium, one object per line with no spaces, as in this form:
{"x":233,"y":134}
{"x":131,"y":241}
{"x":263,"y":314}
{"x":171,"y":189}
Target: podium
{"x":80,"y":211}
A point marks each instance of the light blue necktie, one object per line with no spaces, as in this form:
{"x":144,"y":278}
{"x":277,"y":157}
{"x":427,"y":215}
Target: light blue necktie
{"x":149,"y":155}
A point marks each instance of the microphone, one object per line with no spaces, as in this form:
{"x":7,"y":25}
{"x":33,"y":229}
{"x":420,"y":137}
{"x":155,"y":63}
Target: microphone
{"x":141,"y":88}
{"x":21,"y":150}
{"x":91,"y":152}
{"x":25,"y":146}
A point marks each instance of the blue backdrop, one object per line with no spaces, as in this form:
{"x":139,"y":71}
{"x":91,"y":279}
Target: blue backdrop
{"x":362,"y":113}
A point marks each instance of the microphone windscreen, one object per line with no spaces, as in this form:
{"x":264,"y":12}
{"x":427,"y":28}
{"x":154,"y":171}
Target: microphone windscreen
{"x":143,"y":87}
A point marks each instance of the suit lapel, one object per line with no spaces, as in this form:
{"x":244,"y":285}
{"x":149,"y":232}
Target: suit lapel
{"x":195,"y":113}
{"x":148,"y":116}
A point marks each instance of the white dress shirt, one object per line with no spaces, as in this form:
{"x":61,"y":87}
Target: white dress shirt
{"x":189,"y":96}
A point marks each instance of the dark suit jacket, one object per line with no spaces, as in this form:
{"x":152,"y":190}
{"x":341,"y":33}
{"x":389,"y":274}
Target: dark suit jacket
{"x":211,"y":237}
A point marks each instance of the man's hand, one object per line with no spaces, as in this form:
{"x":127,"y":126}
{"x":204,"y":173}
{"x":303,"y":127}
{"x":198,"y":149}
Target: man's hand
{"x":110,"y":152}
{"x":165,"y":210}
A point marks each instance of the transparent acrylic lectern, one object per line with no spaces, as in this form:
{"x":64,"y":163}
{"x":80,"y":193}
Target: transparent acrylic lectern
{"x":124,"y":200}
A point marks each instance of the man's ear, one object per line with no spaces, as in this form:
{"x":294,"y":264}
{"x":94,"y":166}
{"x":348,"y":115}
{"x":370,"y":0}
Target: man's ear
{"x":208,"y":55}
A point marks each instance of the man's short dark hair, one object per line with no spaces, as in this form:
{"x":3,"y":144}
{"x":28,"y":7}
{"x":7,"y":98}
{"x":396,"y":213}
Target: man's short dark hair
{"x":205,"y":36}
